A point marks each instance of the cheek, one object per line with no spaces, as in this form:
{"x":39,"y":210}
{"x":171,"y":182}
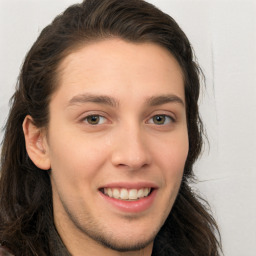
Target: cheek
{"x":171,"y":159}
{"x":171,"y":162}
{"x":172,"y":153}
{"x":76,"y":157}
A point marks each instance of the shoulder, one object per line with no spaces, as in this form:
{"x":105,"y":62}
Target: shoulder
{"x":4,"y":251}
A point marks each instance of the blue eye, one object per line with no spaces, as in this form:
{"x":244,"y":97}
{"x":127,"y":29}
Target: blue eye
{"x":95,"y":119}
{"x":161,"y":120}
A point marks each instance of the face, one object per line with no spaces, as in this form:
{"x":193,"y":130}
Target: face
{"x":117,"y":143}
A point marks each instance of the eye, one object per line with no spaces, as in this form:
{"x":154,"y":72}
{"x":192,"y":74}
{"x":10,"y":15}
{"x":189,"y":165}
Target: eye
{"x":161,"y":120}
{"x":95,"y":119}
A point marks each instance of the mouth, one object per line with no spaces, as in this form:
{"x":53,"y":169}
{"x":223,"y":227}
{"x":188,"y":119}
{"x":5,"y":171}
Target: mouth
{"x":129,"y":198}
{"x":125,"y":194}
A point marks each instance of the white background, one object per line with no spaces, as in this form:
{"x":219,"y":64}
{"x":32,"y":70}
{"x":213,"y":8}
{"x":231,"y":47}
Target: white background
{"x":223,"y":34}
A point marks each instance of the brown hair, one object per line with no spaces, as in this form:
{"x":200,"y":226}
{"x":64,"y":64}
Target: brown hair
{"x":26,"y":221}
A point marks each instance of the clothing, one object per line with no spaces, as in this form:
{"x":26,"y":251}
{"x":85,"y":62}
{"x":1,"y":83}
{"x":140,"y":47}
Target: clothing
{"x":4,"y":252}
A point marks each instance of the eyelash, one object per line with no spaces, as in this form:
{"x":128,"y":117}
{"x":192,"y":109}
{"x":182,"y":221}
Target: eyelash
{"x":101,"y":119}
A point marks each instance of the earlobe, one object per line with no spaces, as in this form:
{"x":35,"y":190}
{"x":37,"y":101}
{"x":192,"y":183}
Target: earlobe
{"x":36,"y":144}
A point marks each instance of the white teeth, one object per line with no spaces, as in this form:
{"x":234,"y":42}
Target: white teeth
{"x":127,"y":194}
{"x":133,"y":194}
{"x":116,"y":193}
{"x":110,"y":192}
{"x":141,"y":193}
{"x":124,"y":194}
{"x":146,"y":191}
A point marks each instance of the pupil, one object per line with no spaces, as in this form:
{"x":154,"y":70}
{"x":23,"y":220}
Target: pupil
{"x":94,"y":119}
{"x":159,"y":119}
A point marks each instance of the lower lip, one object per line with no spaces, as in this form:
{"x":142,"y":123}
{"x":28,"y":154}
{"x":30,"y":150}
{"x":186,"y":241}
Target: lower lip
{"x":132,"y":206}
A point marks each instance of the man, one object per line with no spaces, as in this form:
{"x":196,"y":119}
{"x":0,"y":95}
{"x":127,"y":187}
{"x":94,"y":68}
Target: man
{"x":101,"y":139}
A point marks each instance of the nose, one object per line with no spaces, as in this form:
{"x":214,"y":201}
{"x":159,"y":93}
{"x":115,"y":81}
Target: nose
{"x":131,"y":150}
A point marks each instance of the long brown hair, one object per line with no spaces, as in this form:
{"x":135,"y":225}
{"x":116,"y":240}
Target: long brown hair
{"x":26,"y":221}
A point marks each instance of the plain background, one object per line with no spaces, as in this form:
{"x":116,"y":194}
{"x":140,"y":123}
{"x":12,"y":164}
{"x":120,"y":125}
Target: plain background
{"x":223,"y":34}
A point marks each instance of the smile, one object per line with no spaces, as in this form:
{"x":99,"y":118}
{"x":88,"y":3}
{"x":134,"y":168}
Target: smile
{"x":126,"y":194}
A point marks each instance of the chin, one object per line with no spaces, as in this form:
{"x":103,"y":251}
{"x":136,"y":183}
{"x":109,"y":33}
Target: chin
{"x":126,"y":244}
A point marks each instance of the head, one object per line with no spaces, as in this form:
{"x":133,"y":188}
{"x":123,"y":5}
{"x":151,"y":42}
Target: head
{"x":112,"y":40}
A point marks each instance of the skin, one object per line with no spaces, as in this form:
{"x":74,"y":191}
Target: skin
{"x":129,"y":145}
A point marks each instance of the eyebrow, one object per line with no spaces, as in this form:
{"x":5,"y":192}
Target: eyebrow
{"x":100,"y":99}
{"x":163,"y":99}
{"x":110,"y":101}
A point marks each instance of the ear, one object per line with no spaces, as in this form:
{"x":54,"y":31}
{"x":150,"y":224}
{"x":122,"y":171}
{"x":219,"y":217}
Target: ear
{"x":36,"y":144}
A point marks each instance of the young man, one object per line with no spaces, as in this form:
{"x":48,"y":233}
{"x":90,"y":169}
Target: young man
{"x":101,"y":139}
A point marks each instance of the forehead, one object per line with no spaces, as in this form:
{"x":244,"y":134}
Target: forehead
{"x":114,"y":64}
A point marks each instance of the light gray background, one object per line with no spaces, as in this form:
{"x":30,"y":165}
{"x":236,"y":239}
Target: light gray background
{"x":223,"y":34}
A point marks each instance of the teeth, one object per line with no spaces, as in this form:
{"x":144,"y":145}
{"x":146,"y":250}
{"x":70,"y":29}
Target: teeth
{"x":146,"y":191}
{"x":133,"y":194}
{"x":127,"y":194}
{"x":116,"y":193}
{"x":124,"y":194}
{"x":110,"y":192}
{"x":141,"y":193}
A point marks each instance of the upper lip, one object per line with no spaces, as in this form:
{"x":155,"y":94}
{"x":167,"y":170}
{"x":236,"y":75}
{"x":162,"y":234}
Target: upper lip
{"x":128,"y":185}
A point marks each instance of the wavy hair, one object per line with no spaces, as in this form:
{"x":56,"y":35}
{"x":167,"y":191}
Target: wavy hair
{"x":26,"y":218}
